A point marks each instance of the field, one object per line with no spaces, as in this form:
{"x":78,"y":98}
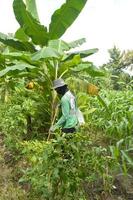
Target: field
{"x":96,"y":162}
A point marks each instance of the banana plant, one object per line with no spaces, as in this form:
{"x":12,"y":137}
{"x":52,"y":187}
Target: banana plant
{"x":50,"y":62}
{"x":32,"y":33}
{"x":53,"y":59}
{"x":56,"y":57}
{"x":61,"y":19}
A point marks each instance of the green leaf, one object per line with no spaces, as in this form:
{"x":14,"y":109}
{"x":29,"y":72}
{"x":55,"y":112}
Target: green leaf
{"x":19,"y":56}
{"x":64,"y":17}
{"x":128,"y":159}
{"x":75,"y":61}
{"x":18,"y":67}
{"x":82,"y":54}
{"x":83,"y":67}
{"x":76,"y":43}
{"x":64,"y":67}
{"x":15,"y":43}
{"x":90,"y":111}
{"x":59,"y":45}
{"x":119,"y":143}
{"x":103,"y":103}
{"x":20,"y":34}
{"x":2,"y":60}
{"x":31,"y":7}
{"x":89,"y":68}
{"x":44,"y":53}
{"x":30,"y":25}
{"x":62,"y":46}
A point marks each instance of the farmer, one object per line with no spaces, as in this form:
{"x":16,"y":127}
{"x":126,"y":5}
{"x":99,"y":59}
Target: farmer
{"x":68,"y":121}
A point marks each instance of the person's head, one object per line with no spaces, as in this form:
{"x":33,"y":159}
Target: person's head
{"x":61,"y":90}
{"x":60,"y":86}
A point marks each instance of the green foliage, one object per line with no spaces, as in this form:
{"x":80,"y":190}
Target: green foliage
{"x":118,"y":122}
{"x":13,"y":127}
{"x":115,"y":58}
{"x":53,"y":54}
{"x":15,"y":113}
{"x":59,"y":45}
{"x":63,"y":167}
{"x":30,"y":25}
{"x":32,"y":8}
{"x":122,"y":153}
{"x":64,"y":17}
{"x":47,"y":64}
{"x":89,"y":68}
{"x":117,"y":78}
{"x":18,"y":67}
{"x":77,"y":43}
{"x":20,"y":34}
{"x":82,"y":54}
{"x":44,"y":53}
{"x":16,"y":44}
{"x":113,"y":125}
{"x":128,"y":58}
{"x":28,"y":19}
{"x":58,"y":168}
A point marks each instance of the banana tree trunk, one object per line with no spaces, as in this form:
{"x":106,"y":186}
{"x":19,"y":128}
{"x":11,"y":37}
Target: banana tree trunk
{"x":54,"y":107}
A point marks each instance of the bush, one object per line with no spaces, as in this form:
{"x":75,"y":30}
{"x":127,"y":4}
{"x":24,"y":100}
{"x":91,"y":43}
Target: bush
{"x":60,"y":167}
{"x":25,"y":116}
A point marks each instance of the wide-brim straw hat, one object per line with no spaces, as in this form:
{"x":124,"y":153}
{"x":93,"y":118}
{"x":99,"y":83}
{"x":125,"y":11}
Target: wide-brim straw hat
{"x":58,"y":83}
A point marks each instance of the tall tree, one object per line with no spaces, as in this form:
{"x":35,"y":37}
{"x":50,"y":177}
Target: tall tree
{"x":118,"y":61}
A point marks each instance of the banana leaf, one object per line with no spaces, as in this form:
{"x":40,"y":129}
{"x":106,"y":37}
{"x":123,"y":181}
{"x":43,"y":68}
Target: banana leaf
{"x":16,"y":44}
{"x":89,"y":68}
{"x":59,"y":45}
{"x":44,"y":53}
{"x":18,"y":67}
{"x":83,"y":54}
{"x":64,"y":17}
{"x":32,"y":8}
{"x":30,"y":25}
{"x":76,"y":43}
{"x":20,"y":34}
{"x":65,"y":66}
{"x":19,"y":56}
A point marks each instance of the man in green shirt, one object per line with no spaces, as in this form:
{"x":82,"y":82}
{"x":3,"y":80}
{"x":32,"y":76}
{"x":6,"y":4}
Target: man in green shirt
{"x":68,"y":121}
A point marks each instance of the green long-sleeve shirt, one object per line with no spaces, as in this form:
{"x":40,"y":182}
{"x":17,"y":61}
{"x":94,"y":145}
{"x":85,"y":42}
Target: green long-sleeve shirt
{"x":68,"y":108}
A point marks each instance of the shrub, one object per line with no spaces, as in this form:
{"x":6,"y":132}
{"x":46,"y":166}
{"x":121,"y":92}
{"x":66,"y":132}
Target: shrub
{"x":60,"y":167}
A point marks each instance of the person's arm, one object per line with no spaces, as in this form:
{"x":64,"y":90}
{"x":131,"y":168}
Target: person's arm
{"x":65,"y":107}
